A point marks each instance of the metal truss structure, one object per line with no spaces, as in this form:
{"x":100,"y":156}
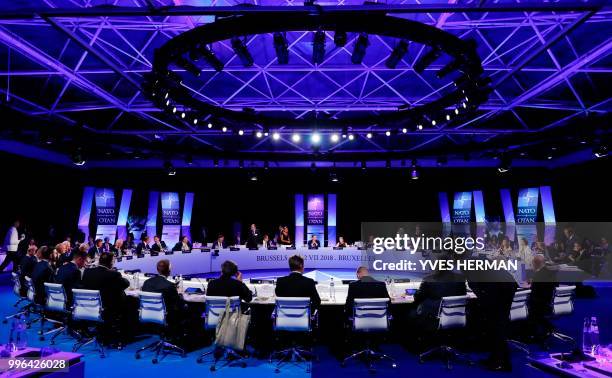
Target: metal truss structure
{"x":71,"y":73}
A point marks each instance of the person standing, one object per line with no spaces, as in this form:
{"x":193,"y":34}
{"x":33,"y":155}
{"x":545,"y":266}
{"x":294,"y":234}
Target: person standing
{"x":11,"y":241}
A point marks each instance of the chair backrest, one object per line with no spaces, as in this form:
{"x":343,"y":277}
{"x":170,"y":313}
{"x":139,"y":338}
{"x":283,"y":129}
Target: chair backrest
{"x":30,"y":287}
{"x":452,"y":312}
{"x":215,"y":307}
{"x":519,"y":309}
{"x":56,"y":297}
{"x":370,"y":314}
{"x":292,"y":314}
{"x":563,"y":300}
{"x":16,"y":284}
{"x":152,"y":308}
{"x":87,"y":305}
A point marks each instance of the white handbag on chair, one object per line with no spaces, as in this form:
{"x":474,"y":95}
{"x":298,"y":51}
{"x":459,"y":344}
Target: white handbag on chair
{"x":232,"y":328}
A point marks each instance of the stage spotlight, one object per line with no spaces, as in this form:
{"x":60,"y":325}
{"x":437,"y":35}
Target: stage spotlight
{"x":369,"y":135}
{"x":600,"y":151}
{"x":315,"y":138}
{"x":211,"y":58}
{"x":275,"y":136}
{"x":427,"y":59}
{"x":404,"y":130}
{"x":414,"y":170}
{"x":189,"y":66}
{"x":183,"y":115}
{"x":243,"y":53}
{"x":419,"y":127}
{"x":448,"y":68}
{"x":359,"y":50}
{"x":448,"y":117}
{"x":259,"y":134}
{"x":388,"y":133}
{"x":433,"y":122}
{"x":333,"y":177}
{"x":241,"y":132}
{"x":397,"y":54}
{"x":170,"y":170}
{"x":224,"y":129}
{"x":334,"y":138}
{"x":340,"y":38}
{"x":344,"y":133}
{"x":351,"y":137}
{"x":505,"y":163}
{"x":281,"y":47}
{"x":174,"y":110}
{"x":318,"y":47}
{"x":210,"y":125}
{"x":195,"y":121}
{"x":296,"y":137}
{"x":77,"y":158}
{"x":253,"y":176}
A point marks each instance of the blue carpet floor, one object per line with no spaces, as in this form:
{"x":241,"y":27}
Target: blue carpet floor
{"x":122,"y":363}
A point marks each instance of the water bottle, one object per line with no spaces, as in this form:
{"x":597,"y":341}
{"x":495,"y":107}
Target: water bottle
{"x":392,"y":287}
{"x":21,"y":337}
{"x":332,"y":290}
{"x":136,"y":281}
{"x":590,"y":335}
{"x":180,"y":283}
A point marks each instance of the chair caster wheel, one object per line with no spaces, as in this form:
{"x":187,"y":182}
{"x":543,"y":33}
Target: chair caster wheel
{"x":199,"y":360}
{"x":137,"y":356}
{"x":213,"y":368}
{"x":154,"y":361}
{"x":393,"y":365}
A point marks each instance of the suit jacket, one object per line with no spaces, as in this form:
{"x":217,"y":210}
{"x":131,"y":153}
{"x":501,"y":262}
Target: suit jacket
{"x":366,"y":287}
{"x":111,"y":285}
{"x":543,"y":284}
{"x":296,"y":285}
{"x":69,"y":276}
{"x":160,"y":247}
{"x":179,"y":246}
{"x":252,"y":240}
{"x":160,"y":284}
{"x":27,"y":265}
{"x":216,"y":245}
{"x":434,"y":287}
{"x":229,"y":287}
{"x":141,"y":248}
{"x":311,"y":244}
{"x":42,"y":272}
{"x":64,"y":258}
{"x":95,"y":251}
{"x":267,"y":244}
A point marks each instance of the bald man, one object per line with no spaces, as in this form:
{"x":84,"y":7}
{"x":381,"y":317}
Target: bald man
{"x":365,"y":287}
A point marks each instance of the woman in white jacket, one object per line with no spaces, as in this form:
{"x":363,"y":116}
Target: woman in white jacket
{"x":525,"y":253}
{"x":11,"y":241}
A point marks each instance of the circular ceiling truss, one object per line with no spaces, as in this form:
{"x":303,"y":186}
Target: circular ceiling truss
{"x":164,"y":84}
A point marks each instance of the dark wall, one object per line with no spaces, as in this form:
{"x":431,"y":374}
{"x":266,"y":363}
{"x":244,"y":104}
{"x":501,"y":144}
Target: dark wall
{"x":43,"y":195}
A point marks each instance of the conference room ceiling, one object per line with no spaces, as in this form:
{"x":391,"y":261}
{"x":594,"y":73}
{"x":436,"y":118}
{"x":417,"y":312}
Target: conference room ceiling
{"x":72,"y":71}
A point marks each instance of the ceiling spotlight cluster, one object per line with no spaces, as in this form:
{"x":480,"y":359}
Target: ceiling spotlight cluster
{"x":189,"y":50}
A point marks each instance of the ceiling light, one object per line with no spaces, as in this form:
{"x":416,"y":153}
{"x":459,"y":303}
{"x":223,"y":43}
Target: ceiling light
{"x":334,"y":138}
{"x":276,"y":136}
{"x":315,"y":138}
{"x":296,"y":137}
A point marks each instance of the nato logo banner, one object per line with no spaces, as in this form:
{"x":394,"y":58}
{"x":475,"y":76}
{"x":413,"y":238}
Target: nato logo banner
{"x":527,"y":206}
{"x":315,"y":210}
{"x":171,"y":213}
{"x":462,"y":207}
{"x":105,"y":207}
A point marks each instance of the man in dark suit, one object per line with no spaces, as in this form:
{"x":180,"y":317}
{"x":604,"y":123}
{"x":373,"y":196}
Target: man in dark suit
{"x":172,"y":299}
{"x":543,"y":284}
{"x":143,"y":246}
{"x":158,"y":244}
{"x":69,"y":274}
{"x":183,"y":245}
{"x":96,"y":250}
{"x":220,"y":242}
{"x":365,"y":287}
{"x":118,"y":309}
{"x":435,"y":286}
{"x":42,"y":272}
{"x":266,"y":242}
{"x":296,"y":285}
{"x":26,"y":266}
{"x":313,"y":243}
{"x":253,"y":238}
{"x":494,"y":290}
{"x":229,"y":284}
